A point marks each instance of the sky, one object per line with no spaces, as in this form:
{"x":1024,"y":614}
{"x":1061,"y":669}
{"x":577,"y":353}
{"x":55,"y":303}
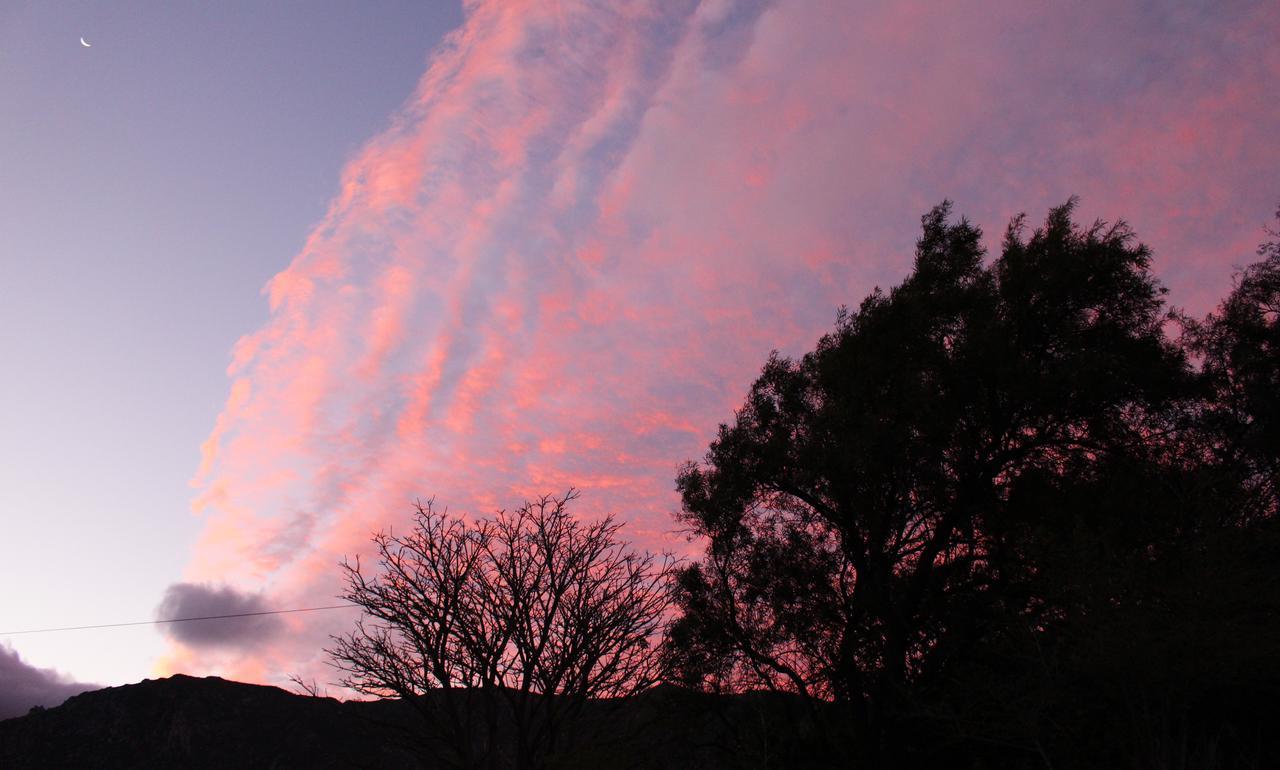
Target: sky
{"x":268,"y":274}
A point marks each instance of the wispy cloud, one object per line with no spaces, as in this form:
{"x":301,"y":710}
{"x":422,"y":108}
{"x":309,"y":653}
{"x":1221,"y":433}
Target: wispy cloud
{"x":566,"y":257}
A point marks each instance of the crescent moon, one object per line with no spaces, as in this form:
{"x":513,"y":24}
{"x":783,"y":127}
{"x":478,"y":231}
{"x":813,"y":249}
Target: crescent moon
{"x":86,"y":45}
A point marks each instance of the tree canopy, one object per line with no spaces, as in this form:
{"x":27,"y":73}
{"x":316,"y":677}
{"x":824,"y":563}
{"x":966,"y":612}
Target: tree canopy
{"x":979,"y":481}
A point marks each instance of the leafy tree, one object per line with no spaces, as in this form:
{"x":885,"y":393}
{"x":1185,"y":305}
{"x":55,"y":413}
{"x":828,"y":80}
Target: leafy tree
{"x":1240,"y":348}
{"x":499,"y":630}
{"x":867,"y":513}
{"x":1155,"y":573}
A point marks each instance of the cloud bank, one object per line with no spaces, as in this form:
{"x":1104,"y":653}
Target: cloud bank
{"x":572,"y":249}
{"x":23,"y":686}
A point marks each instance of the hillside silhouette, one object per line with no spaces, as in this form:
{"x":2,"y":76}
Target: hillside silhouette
{"x":209,"y":722}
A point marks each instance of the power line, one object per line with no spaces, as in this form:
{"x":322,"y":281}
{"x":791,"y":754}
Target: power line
{"x":176,"y":620}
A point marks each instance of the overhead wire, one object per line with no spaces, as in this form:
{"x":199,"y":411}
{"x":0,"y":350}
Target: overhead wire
{"x":176,"y":620}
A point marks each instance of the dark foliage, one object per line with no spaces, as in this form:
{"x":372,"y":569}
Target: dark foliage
{"x":1240,"y":348}
{"x":1000,"y":519}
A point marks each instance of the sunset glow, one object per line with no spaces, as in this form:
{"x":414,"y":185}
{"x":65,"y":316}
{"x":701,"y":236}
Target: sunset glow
{"x":566,"y":255}
{"x":586,"y":230}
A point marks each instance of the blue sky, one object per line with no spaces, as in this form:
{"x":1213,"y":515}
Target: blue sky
{"x":152,"y":184}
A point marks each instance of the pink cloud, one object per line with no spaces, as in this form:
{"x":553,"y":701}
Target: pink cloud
{"x":573,"y":248}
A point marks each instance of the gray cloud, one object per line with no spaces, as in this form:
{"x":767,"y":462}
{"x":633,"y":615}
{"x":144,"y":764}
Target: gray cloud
{"x":23,"y":685}
{"x":201,"y":600}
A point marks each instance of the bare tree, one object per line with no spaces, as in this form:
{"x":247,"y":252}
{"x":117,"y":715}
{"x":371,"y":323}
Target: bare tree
{"x":311,"y":689}
{"x":498,"y":631}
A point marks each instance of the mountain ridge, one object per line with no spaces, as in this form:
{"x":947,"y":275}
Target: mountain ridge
{"x":208,"y":722}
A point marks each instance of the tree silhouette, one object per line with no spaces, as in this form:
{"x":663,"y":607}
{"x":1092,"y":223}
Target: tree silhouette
{"x":499,"y":630}
{"x":1240,"y":348}
{"x":868,"y":512}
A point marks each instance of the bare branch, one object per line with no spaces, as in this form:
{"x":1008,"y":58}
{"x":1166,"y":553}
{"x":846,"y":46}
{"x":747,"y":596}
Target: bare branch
{"x":530,"y":608}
